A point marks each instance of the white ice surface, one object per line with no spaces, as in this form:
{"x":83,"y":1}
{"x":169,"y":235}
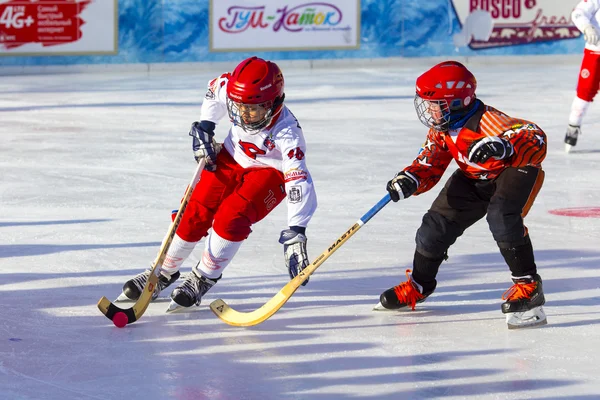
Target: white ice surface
{"x":91,"y":166}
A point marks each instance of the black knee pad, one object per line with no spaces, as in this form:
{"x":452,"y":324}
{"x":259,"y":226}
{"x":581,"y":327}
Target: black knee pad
{"x":507,"y":227}
{"x":435,"y":235}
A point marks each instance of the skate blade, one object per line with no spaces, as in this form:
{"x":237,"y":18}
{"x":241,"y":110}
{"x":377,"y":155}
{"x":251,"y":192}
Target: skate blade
{"x":174,"y":307}
{"x":380,"y":307}
{"x":527,"y":319}
{"x":122,"y":298}
{"x":568,"y":148}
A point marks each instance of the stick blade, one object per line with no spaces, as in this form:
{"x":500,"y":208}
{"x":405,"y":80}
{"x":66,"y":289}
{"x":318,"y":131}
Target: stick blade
{"x":109,"y":310}
{"x":236,"y":318}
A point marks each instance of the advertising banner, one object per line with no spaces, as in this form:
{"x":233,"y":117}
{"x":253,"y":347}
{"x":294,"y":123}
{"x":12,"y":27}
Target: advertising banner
{"x":279,"y":25}
{"x":46,"y":27}
{"x":497,"y":23}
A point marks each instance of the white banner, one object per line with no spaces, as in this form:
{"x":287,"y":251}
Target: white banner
{"x":498,"y":23}
{"x":243,"y":25}
{"x":32,"y":27}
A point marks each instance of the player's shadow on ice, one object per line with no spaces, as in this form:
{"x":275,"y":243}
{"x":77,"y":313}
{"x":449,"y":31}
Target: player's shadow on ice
{"x":24,"y":250}
{"x":452,"y":296}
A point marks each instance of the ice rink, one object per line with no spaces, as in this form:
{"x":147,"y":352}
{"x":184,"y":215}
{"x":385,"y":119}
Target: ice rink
{"x":91,"y":166}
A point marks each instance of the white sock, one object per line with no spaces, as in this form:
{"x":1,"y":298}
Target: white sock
{"x":578,"y":110}
{"x":178,"y":252}
{"x":218,"y":253}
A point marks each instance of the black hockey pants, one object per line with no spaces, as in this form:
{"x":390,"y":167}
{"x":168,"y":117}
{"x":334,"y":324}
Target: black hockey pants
{"x":462,"y":202}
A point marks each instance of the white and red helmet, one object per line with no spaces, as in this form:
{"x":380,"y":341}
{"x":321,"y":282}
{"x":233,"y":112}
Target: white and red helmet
{"x":255,"y":86}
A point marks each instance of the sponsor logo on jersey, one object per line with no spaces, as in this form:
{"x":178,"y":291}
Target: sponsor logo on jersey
{"x":269,"y":144}
{"x":295,"y":194}
{"x":210,"y":95}
{"x":294,"y":175}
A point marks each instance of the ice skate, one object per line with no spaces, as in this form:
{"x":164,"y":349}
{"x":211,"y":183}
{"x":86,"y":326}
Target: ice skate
{"x":190,"y":292}
{"x":573,"y":132}
{"x":524,"y":301}
{"x":406,"y":294}
{"x":132,"y":289}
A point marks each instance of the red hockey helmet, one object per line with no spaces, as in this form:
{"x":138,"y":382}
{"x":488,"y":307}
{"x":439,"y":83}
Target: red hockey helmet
{"x":444,"y":93}
{"x":255,"y":94}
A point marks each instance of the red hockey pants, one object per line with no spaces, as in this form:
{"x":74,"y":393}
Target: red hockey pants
{"x":230,"y":200}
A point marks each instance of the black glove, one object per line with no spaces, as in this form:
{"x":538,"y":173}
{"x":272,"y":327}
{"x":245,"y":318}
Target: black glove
{"x":491,"y":146}
{"x":294,"y":250}
{"x":402,"y":186}
{"x":204,"y":144}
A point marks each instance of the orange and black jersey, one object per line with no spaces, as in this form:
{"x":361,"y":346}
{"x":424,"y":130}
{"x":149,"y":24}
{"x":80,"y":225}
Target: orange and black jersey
{"x":528,"y":140}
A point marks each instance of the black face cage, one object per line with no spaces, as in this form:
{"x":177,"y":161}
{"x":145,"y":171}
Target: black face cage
{"x":235,"y":114}
{"x":424,"y":112}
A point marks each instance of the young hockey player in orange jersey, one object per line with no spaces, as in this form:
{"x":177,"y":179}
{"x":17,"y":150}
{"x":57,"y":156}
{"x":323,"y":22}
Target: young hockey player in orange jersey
{"x":499,"y":175}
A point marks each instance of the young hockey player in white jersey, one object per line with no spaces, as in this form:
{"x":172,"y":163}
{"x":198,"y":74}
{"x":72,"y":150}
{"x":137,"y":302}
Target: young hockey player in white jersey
{"x":262,"y":159}
{"x":586,"y":16}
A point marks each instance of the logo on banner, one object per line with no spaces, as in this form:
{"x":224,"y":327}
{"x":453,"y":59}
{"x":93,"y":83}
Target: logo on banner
{"x":492,"y":23}
{"x":49,"y":22}
{"x":303,"y":17}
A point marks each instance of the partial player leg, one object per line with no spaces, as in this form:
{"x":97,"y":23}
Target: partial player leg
{"x":218,"y":253}
{"x":587,"y":88}
{"x":573,"y":132}
{"x":178,"y":251}
{"x":458,"y":206}
{"x":516,"y":190}
{"x":260,"y":191}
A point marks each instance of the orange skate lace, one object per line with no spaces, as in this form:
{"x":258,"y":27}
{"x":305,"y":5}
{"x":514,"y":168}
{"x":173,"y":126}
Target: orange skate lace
{"x":407,"y":293}
{"x":519,"y":291}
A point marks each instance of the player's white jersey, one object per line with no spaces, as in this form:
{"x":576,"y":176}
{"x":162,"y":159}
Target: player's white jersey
{"x":281,"y":146}
{"x":587,"y":12}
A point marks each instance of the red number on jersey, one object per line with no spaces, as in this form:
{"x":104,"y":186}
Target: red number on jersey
{"x":299,"y":154}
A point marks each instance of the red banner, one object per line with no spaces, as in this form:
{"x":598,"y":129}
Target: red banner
{"x":48,"y":22}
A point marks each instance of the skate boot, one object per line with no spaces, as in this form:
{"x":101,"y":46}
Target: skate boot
{"x":190,"y":292}
{"x":524,"y":301}
{"x":406,"y":294}
{"x":573,"y":132}
{"x":132,"y":289}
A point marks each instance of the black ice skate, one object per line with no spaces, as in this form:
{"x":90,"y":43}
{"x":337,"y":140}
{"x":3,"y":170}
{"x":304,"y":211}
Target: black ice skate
{"x":406,"y":294}
{"x":190,"y":292}
{"x":132,"y":289}
{"x":573,"y":132}
{"x":524,"y":301}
